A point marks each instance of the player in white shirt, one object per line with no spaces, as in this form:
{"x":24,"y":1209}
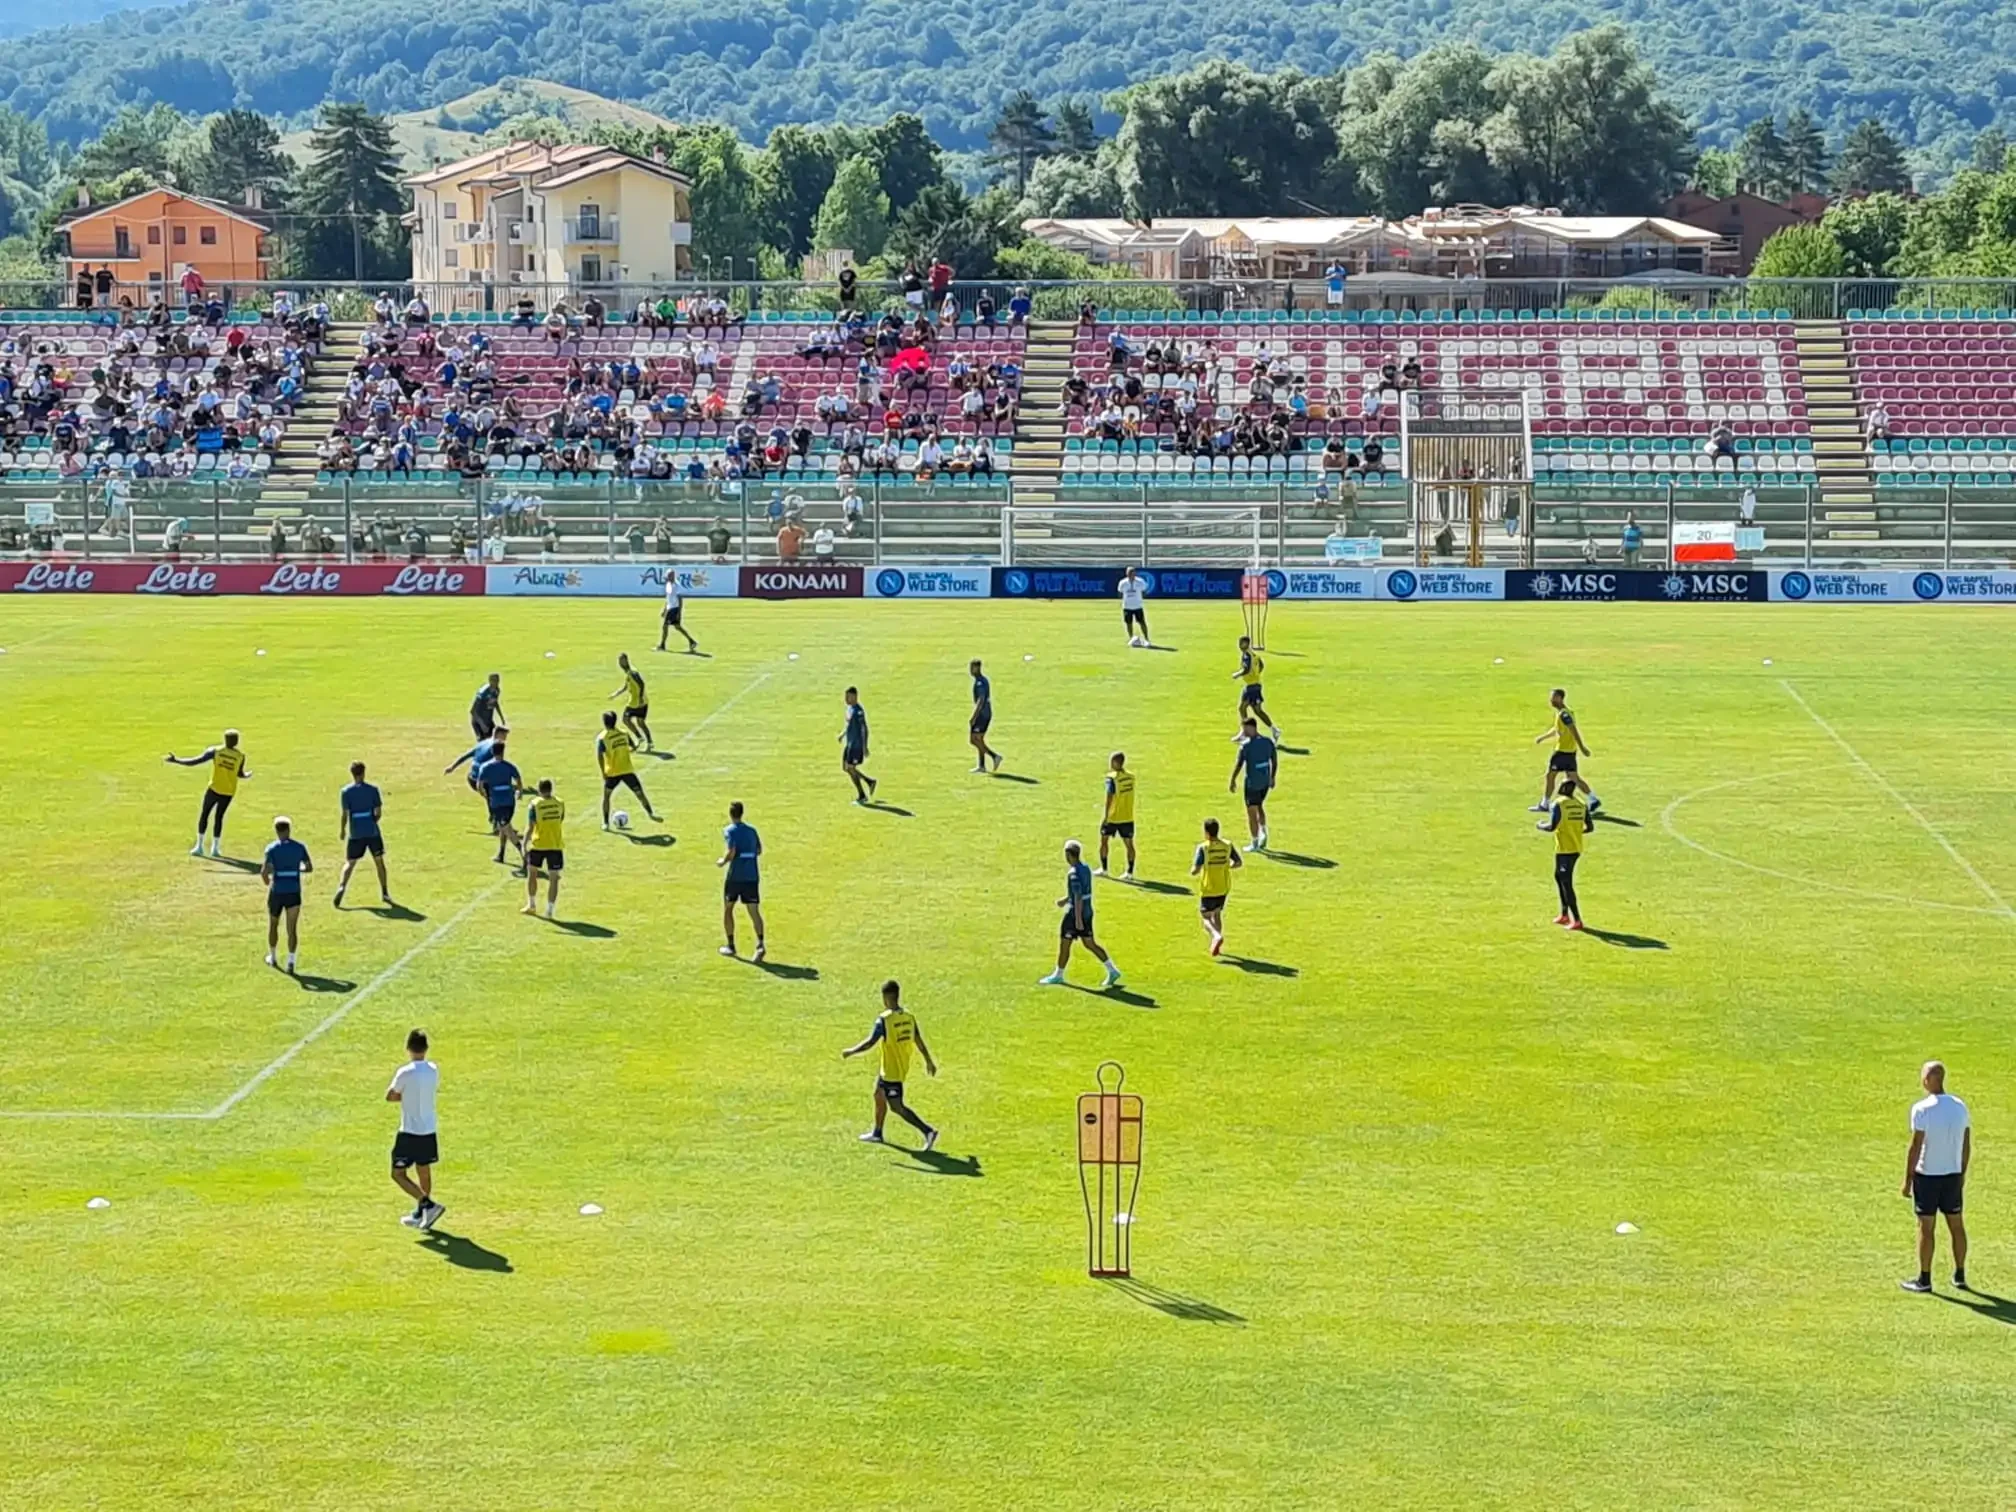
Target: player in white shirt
{"x":673,"y":604}
{"x":1133,"y":607}
{"x":1935,"y":1171}
{"x":416,"y":1148}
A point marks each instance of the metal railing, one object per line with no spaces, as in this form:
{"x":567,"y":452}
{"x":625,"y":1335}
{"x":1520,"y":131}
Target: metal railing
{"x":977,"y":523}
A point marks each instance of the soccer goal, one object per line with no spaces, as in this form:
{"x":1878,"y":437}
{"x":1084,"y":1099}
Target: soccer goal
{"x":1166,"y":535}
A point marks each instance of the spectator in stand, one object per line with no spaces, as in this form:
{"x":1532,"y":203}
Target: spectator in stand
{"x":849,"y":281}
{"x":104,"y":281}
{"x":417,"y":313}
{"x":948,"y":310}
{"x":1633,"y":540}
{"x":1019,"y":306}
{"x":941,"y":279}
{"x":192,"y":285}
{"x":790,"y":538}
{"x":913,"y":287}
{"x":83,"y":288}
{"x":1721,"y":443}
{"x":1879,"y":423}
{"x":525,"y":314}
{"x":823,"y":543}
{"x":594,"y":314}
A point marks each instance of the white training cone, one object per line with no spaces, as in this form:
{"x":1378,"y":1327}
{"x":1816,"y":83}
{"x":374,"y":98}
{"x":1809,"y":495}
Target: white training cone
{"x":1497,"y":661}
{"x":1028,"y":656}
{"x":591,"y":1210}
{"x":549,"y":656}
{"x":99,"y":1202}
{"x":1767,"y":661}
{"x":1627,"y":1228}
{"x":260,"y":652}
{"x":792,"y":657}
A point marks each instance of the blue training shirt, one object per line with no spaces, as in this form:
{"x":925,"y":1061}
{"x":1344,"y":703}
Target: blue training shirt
{"x":285,"y":858}
{"x":499,"y":779}
{"x":1078,"y":883}
{"x":360,"y":807}
{"x":1258,"y":754}
{"x":983,"y":691}
{"x":745,"y":845}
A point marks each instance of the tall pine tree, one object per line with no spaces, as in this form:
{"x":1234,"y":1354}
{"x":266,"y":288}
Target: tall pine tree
{"x":1871,"y":161}
{"x":1020,"y":136}
{"x":346,"y":221}
{"x":1806,"y":156}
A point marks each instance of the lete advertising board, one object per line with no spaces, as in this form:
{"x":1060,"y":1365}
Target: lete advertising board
{"x":1815,"y":586}
{"x":830,"y":580}
{"x":1104,"y":582}
{"x":273,"y":579}
{"x":930,"y":582}
{"x":611,"y":580}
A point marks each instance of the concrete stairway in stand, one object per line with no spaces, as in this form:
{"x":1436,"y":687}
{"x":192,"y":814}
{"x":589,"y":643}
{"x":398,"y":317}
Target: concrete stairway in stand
{"x":1038,"y":461}
{"x":314,"y":415}
{"x":1841,"y":459}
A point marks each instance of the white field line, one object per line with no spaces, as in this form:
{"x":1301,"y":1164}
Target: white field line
{"x":1987,"y":890}
{"x":391,"y":973}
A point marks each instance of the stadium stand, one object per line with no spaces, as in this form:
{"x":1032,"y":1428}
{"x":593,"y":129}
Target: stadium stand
{"x":1937,"y":395}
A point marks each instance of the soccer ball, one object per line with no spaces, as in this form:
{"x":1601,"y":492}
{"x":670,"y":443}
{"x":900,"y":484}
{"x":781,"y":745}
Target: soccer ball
{"x":1136,"y":642}
{"x":621,"y":819}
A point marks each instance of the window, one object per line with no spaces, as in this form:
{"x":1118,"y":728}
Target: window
{"x":448,"y":210}
{"x":451,"y":258}
{"x":591,"y":270}
{"x":153,"y":236}
{"x":181,"y":237}
{"x":207,"y":235}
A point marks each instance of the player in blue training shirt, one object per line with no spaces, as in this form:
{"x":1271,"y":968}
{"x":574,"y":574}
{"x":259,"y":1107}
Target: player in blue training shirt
{"x":744,"y":883}
{"x":286,"y":862}
{"x":854,"y":747}
{"x":501,"y":785}
{"x":362,"y":808}
{"x":1077,"y":924}
{"x":476,"y":755}
{"x":1261,"y":760}
{"x":983,"y":716}
{"x":486,"y":714}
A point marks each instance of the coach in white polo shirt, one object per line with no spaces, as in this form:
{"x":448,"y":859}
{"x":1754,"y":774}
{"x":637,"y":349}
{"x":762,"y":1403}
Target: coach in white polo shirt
{"x":1935,"y":1172}
{"x":1134,"y":608}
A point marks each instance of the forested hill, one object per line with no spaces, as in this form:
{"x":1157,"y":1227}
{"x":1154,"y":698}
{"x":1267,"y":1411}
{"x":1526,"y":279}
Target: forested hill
{"x":1936,"y":71}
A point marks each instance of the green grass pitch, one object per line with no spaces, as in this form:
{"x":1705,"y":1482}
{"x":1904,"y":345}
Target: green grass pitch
{"x":1384,"y":1160}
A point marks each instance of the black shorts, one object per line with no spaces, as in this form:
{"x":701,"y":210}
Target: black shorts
{"x":1212,"y":902}
{"x":853,"y":755}
{"x":415,"y":1149}
{"x":544,"y":860}
{"x":641,"y":712}
{"x":1123,"y":828}
{"x":482,"y":724}
{"x":216,"y":803}
{"x":672,"y":616}
{"x":278,"y":901}
{"x":623,"y":779}
{"x":891,"y":1090}
{"x":359,"y":845}
{"x":1134,"y":617}
{"x":1069,"y":928}
{"x":981,"y":721}
{"x":502,"y":813}
{"x":1936,"y":1194}
{"x":1561,"y":761}
{"x":1257,"y":797}
{"x":1250,"y":694}
{"x":735,"y":890}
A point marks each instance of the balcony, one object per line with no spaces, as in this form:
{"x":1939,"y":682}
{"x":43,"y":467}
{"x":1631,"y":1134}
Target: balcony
{"x":682,"y":233}
{"x":590,"y":229}
{"x":523,"y":234}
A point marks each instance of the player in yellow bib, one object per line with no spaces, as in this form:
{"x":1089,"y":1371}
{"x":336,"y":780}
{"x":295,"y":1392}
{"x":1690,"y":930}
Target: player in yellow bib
{"x":227,"y":770}
{"x":1569,"y":820}
{"x":545,"y":848}
{"x":613,"y":753}
{"x":636,"y":707}
{"x":1119,"y":816}
{"x":1213,"y":866}
{"x":897,"y":1033}
{"x":1567,"y":738}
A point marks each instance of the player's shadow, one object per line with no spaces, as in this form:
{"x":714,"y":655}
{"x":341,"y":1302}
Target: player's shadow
{"x":1117,"y":994}
{"x":323,"y":984}
{"x":1602,"y":818}
{"x":1316,"y":863}
{"x":1174,"y":1304}
{"x":1288,"y":750}
{"x":466,"y":1253}
{"x":583,"y":928}
{"x":1260,"y":968}
{"x":1152,"y":646}
{"x":1016,"y":777}
{"x":235,"y":863}
{"x":1165,"y":889}
{"x":881,"y":807}
{"x":786,"y":972}
{"x":653,"y":840}
{"x":1628,"y":941}
{"x":938,"y":1163}
{"x":1983,"y":1304}
{"x":660,"y":755}
{"x":397,"y":911}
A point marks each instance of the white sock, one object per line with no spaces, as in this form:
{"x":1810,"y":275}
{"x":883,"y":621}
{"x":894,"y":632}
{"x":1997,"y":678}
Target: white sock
{"x":292,"y":956}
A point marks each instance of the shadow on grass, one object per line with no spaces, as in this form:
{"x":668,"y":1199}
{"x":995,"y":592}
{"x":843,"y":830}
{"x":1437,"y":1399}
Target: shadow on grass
{"x":655,"y":841}
{"x":1260,"y":968}
{"x":1174,"y":1304}
{"x":466,"y":1253}
{"x":1151,"y":646}
{"x":1983,"y":1304}
{"x":1165,"y":889}
{"x":234,"y":863}
{"x":787,"y":973}
{"x":938,"y":1163}
{"x":1317,"y":863}
{"x":1603,"y":818}
{"x":322,"y":984}
{"x":396,"y":911}
{"x":660,"y":755}
{"x":876,"y":805}
{"x":1628,"y":941}
{"x":1117,"y":994}
{"x":1288,"y":750}
{"x":583,"y":928}
{"x":1016,"y":777}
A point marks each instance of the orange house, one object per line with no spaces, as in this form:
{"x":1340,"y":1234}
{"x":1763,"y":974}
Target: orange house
{"x":150,"y":239}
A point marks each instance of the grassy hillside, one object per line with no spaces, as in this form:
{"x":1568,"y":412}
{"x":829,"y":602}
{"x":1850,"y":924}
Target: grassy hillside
{"x":458,"y":128}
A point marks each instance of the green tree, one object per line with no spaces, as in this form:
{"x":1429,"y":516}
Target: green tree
{"x":1870,"y":232}
{"x":855,"y":213}
{"x":346,"y":220}
{"x":27,"y":172}
{"x":1990,"y":152}
{"x":1760,"y":160}
{"x":1077,"y":132}
{"x":793,"y":176}
{"x":151,"y":140}
{"x":906,"y":159}
{"x":1411,"y":134}
{"x":1871,"y":159}
{"x":1224,"y":140}
{"x":1806,"y":156}
{"x":1021,"y":134}
{"x":944,"y":222}
{"x":240,"y":150}
{"x":1715,"y":172}
{"x":1801,"y":252}
{"x":1069,"y":186}
{"x":1943,"y":225}
{"x":727,"y":225}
